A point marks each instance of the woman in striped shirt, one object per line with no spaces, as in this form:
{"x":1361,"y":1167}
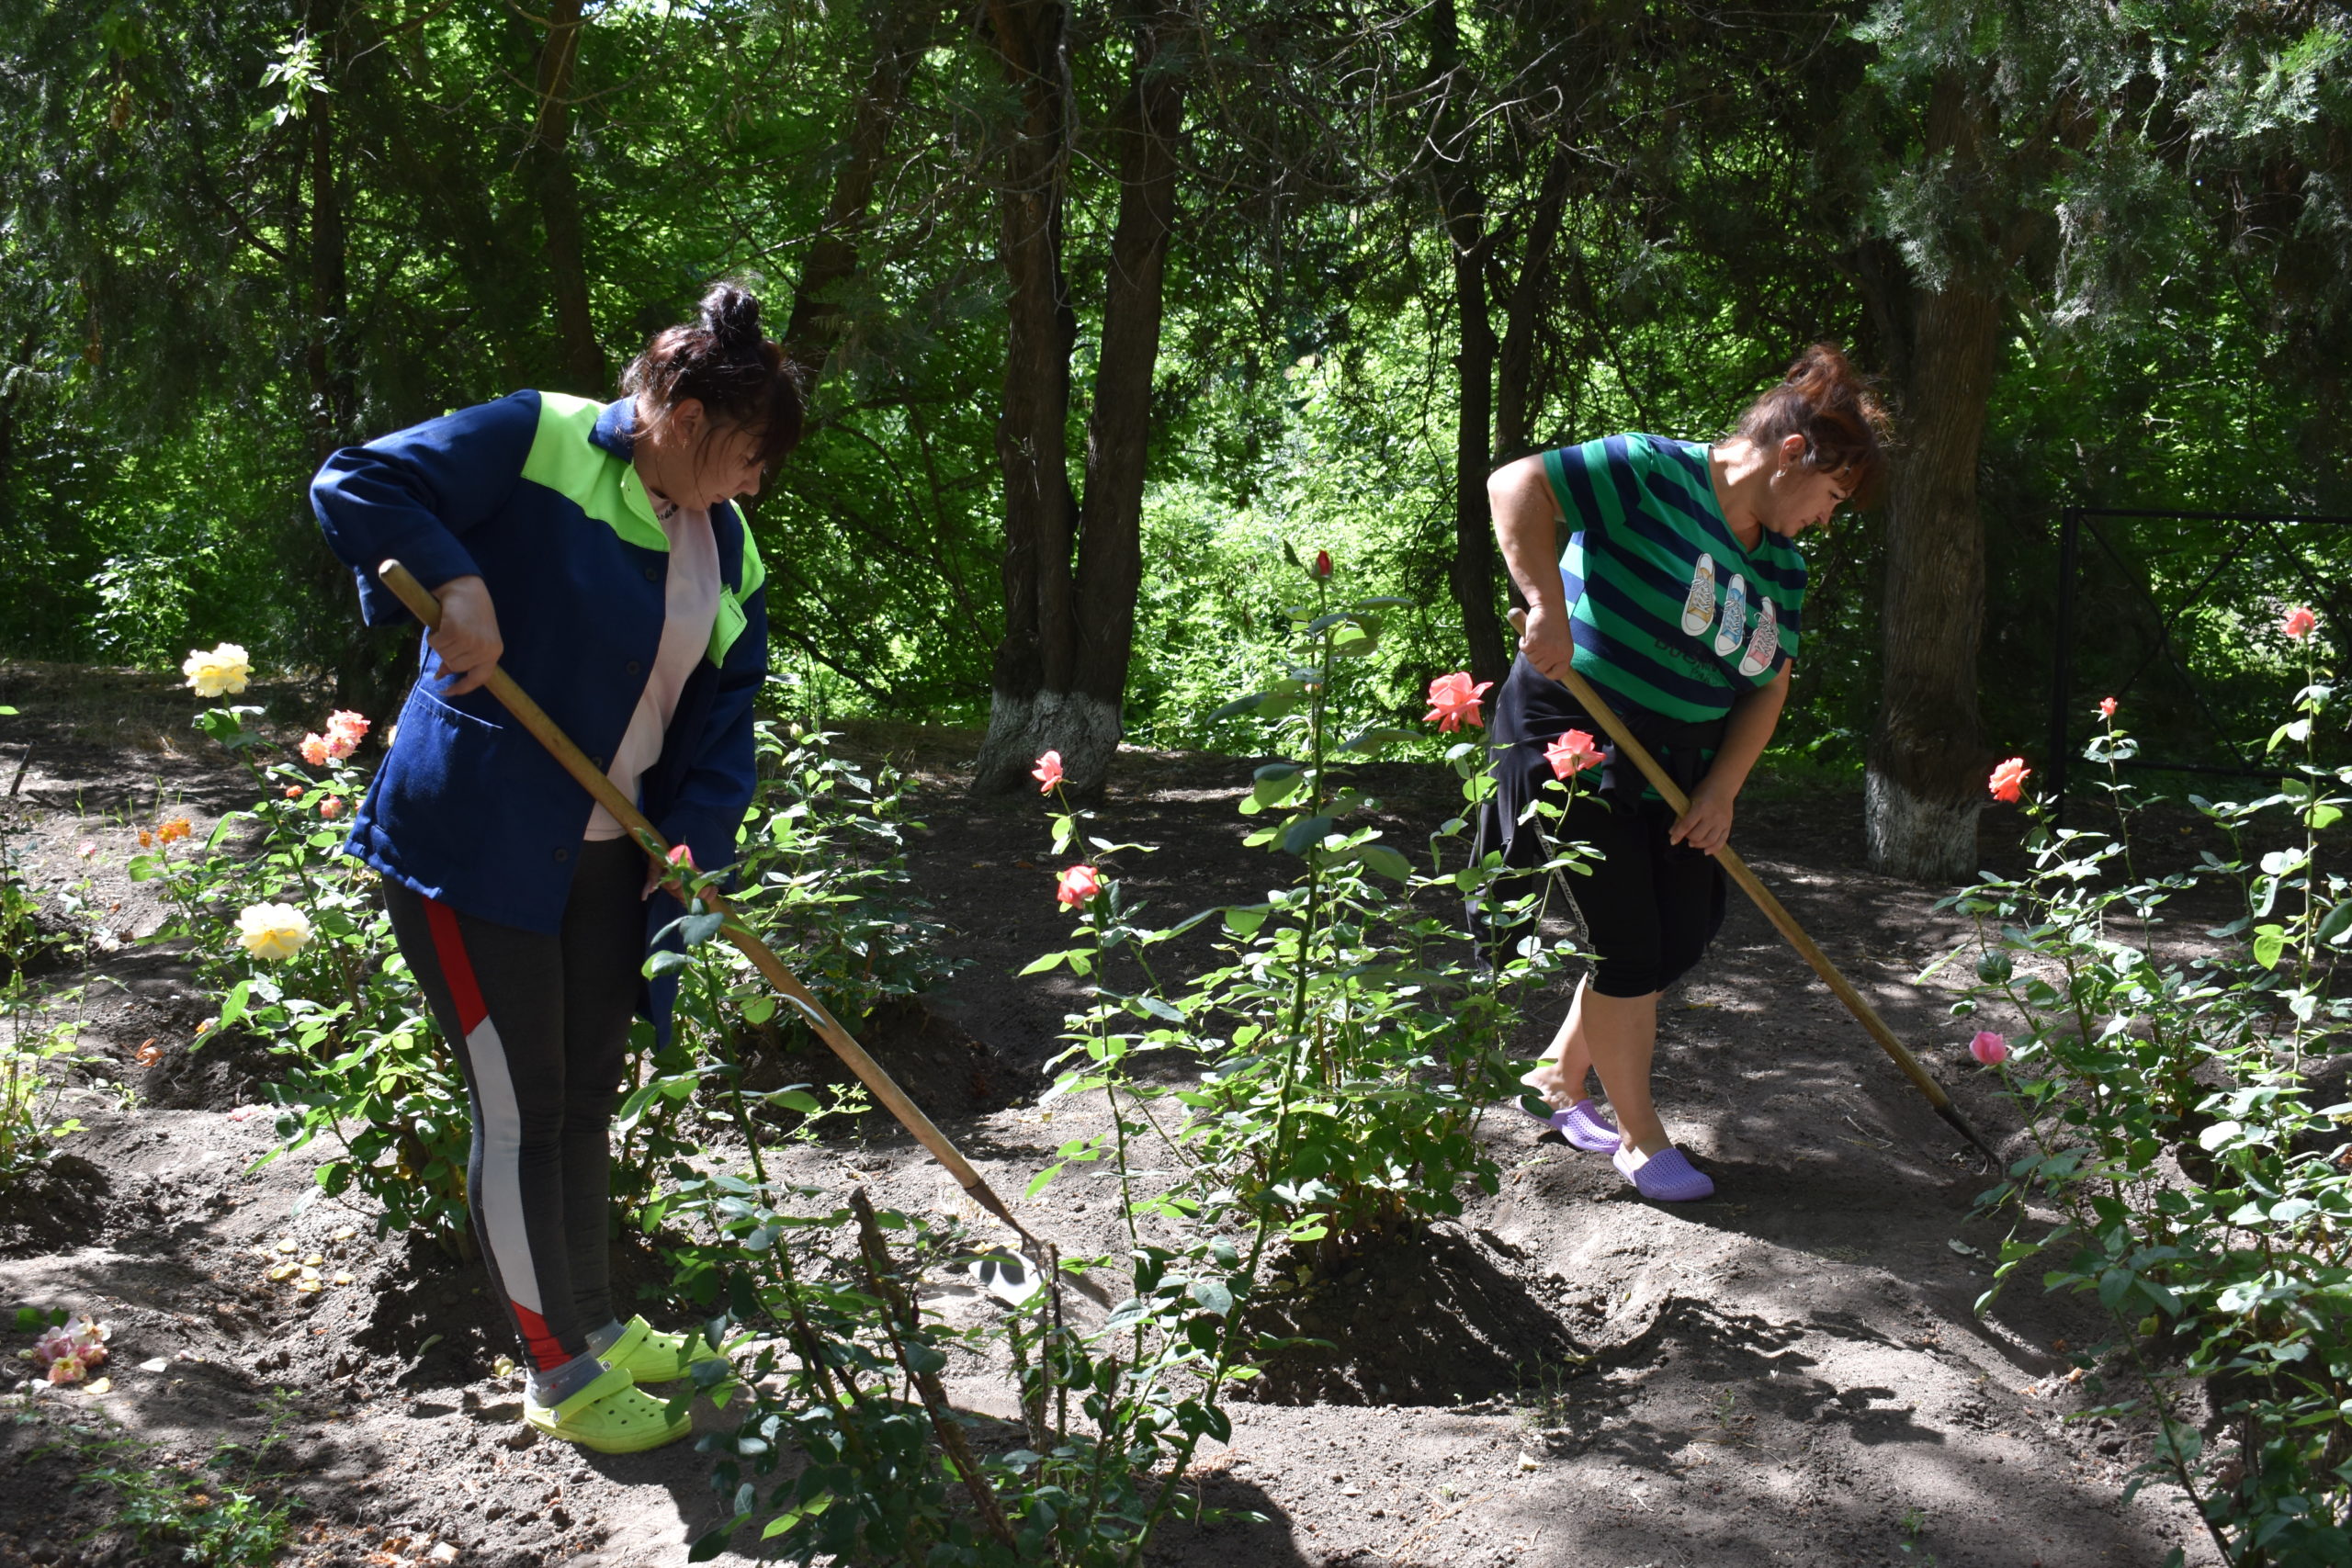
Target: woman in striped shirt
{"x":1679,"y":597}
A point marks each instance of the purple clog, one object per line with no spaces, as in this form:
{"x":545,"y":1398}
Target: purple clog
{"x":1583,"y":1125}
{"x":1665,"y":1178}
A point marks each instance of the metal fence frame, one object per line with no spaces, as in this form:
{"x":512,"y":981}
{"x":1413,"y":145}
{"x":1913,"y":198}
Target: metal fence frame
{"x":2072,"y":521}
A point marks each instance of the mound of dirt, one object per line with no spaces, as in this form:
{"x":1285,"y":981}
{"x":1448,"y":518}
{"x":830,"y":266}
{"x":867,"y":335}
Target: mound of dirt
{"x":1425,"y":1318}
{"x":948,"y":1072}
{"x":51,"y":1208}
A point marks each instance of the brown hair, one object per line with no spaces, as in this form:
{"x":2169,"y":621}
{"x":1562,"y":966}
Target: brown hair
{"x":722,"y":360}
{"x":1825,"y":400}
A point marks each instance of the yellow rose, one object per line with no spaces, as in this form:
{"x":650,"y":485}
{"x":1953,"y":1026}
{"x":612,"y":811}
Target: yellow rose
{"x":221,"y":671}
{"x":274,"y":931}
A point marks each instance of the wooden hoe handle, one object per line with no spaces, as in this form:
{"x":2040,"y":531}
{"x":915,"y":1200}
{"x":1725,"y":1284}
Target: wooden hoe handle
{"x":1784,"y":922}
{"x":592,"y":778}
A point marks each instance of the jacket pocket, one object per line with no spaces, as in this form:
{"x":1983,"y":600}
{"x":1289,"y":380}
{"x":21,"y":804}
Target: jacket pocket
{"x":444,"y":786}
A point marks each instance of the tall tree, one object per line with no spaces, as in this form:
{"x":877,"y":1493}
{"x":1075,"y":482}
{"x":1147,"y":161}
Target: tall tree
{"x":1462,"y":211}
{"x":1987,"y":113}
{"x":1071,"y":566}
{"x":580,"y":357}
{"x":901,"y":30}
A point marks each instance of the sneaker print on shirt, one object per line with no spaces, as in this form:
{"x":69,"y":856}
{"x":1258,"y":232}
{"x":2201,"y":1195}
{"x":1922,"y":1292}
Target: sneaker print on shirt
{"x":1699,"y":605}
{"x":1734,"y":624}
{"x":1765,"y":644}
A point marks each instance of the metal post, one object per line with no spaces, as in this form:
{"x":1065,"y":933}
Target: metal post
{"x":2062,"y":660}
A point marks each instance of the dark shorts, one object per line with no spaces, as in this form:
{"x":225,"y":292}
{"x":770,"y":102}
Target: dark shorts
{"x":1650,"y":908}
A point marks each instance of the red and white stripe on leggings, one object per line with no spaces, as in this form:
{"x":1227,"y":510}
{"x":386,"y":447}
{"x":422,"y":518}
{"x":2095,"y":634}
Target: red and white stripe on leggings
{"x":500,"y":1201}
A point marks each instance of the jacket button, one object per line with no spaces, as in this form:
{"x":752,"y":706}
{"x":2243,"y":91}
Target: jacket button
{"x":652,"y":574}
{"x":563,"y":854}
{"x":599,"y":761}
{"x":634,"y":667}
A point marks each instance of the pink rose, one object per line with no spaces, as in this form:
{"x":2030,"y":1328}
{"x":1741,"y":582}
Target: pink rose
{"x":2299,"y":622}
{"x":1989,"y":1048}
{"x":347,"y":730}
{"x":331,"y":807}
{"x":2106,"y":707}
{"x":1452,"y":699}
{"x":1078,"y":884}
{"x":316,"y":750}
{"x":1322,"y":563}
{"x":1572,"y":753}
{"x":1047,"y":773}
{"x":2009,"y":779}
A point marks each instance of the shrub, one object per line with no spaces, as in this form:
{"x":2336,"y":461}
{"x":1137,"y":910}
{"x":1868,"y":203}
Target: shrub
{"x":1355,"y":997}
{"x":2180,"y":1131}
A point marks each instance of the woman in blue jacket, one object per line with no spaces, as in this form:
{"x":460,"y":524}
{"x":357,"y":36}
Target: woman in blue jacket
{"x":596,"y":551}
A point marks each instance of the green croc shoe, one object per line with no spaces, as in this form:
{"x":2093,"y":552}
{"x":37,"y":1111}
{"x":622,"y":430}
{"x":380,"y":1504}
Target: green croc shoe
{"x":612,"y":1416}
{"x":653,"y":1356}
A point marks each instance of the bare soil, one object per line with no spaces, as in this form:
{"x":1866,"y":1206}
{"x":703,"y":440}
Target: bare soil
{"x":1790,"y":1373}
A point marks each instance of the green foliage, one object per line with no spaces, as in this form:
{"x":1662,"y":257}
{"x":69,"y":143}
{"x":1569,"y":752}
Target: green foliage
{"x":37,"y":1046}
{"x":823,"y":877}
{"x":2170,"y":1088}
{"x":1344,"y":996}
{"x":358,"y":1063}
{"x":846,"y":1371}
{"x":219,"y":1514}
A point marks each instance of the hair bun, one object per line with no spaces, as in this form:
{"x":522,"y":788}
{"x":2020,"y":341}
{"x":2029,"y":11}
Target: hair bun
{"x":732,"y":316}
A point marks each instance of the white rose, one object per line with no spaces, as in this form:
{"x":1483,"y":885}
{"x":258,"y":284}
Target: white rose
{"x":274,"y":931}
{"x":218,"y":672}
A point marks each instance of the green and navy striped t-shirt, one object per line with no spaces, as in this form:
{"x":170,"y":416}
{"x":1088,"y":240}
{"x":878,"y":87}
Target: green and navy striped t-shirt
{"x":1669,"y":610}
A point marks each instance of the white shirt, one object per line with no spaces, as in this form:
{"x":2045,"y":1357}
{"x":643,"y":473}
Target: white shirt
{"x":690,"y":607}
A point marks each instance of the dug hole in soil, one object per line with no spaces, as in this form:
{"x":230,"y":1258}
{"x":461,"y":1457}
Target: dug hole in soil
{"x":1790,"y":1373}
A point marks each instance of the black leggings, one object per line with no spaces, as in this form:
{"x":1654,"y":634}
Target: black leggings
{"x":1650,"y":908}
{"x":540,"y":1024}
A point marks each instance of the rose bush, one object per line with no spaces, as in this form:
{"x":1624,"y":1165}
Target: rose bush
{"x":2186,"y":1128}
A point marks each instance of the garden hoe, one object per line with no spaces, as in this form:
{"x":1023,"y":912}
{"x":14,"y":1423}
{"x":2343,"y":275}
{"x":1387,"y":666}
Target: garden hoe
{"x":427,"y":608}
{"x":1781,"y":920}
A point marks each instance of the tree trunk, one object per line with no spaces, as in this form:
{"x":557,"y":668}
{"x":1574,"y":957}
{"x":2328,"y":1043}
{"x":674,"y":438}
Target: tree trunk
{"x":1924,"y":784}
{"x":1040,"y":514}
{"x":901,"y":30}
{"x":579,"y":359}
{"x":1470,"y":573}
{"x":1925,"y":780}
{"x":1061,"y":675}
{"x":1523,"y":315}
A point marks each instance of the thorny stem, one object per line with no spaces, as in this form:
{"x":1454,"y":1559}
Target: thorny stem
{"x":898,"y":1311}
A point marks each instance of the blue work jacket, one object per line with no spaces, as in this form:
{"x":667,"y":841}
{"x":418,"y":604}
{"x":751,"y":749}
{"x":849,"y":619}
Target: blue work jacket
{"x":535,"y":494}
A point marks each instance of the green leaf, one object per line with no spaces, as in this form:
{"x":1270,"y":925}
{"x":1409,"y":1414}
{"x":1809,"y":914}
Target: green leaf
{"x":798,"y":1099}
{"x":1239,"y":704}
{"x":1243,"y":919}
{"x":1388,"y":861}
{"x":1213,"y":1296}
{"x":2338,"y":922}
{"x":699,"y":928}
{"x":925,"y":1358}
{"x":1305,"y":833}
{"x":232,"y":1005}
{"x":1275,"y":782}
{"x":1037,"y":1183}
{"x":2269,"y":945}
